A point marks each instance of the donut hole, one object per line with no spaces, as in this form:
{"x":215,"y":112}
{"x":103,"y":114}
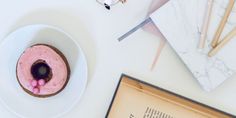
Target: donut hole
{"x":41,"y":70}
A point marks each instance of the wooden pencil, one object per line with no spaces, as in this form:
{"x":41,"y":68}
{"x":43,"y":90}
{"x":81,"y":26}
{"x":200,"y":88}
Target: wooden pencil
{"x":205,"y":24}
{"x":222,"y":23}
{"x":222,"y":43}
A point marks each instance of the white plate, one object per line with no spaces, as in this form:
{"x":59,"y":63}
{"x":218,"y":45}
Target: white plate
{"x":11,"y":94}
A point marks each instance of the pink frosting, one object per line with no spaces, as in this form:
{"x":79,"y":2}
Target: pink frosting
{"x":55,"y":62}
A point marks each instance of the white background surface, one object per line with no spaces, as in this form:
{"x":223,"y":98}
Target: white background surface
{"x":107,"y":58}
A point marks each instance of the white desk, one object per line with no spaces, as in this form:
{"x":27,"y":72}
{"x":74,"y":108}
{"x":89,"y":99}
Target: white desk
{"x":108,"y":58}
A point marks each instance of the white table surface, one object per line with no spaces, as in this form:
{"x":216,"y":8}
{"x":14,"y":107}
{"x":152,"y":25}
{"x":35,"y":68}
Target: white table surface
{"x":97,"y":30}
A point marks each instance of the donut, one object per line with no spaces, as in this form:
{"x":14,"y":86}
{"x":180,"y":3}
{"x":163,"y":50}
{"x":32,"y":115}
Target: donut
{"x":42,"y":70}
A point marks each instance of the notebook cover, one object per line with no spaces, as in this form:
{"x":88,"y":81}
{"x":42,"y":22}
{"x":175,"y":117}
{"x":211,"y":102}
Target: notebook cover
{"x":180,"y":23}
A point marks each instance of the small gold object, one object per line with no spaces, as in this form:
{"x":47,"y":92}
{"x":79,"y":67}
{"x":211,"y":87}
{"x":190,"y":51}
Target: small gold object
{"x":123,"y":1}
{"x":108,"y":3}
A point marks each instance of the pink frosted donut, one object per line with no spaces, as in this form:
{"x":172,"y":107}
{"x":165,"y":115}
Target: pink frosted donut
{"x":42,"y":70}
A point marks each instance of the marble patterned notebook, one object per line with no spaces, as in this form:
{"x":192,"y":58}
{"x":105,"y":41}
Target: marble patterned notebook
{"x":180,"y":22}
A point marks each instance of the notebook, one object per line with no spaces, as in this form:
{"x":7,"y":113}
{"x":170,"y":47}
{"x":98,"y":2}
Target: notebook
{"x":180,"y":22}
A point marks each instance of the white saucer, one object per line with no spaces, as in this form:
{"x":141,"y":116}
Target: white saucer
{"x":18,"y":101}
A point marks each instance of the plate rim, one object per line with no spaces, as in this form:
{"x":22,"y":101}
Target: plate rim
{"x":83,"y":55}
